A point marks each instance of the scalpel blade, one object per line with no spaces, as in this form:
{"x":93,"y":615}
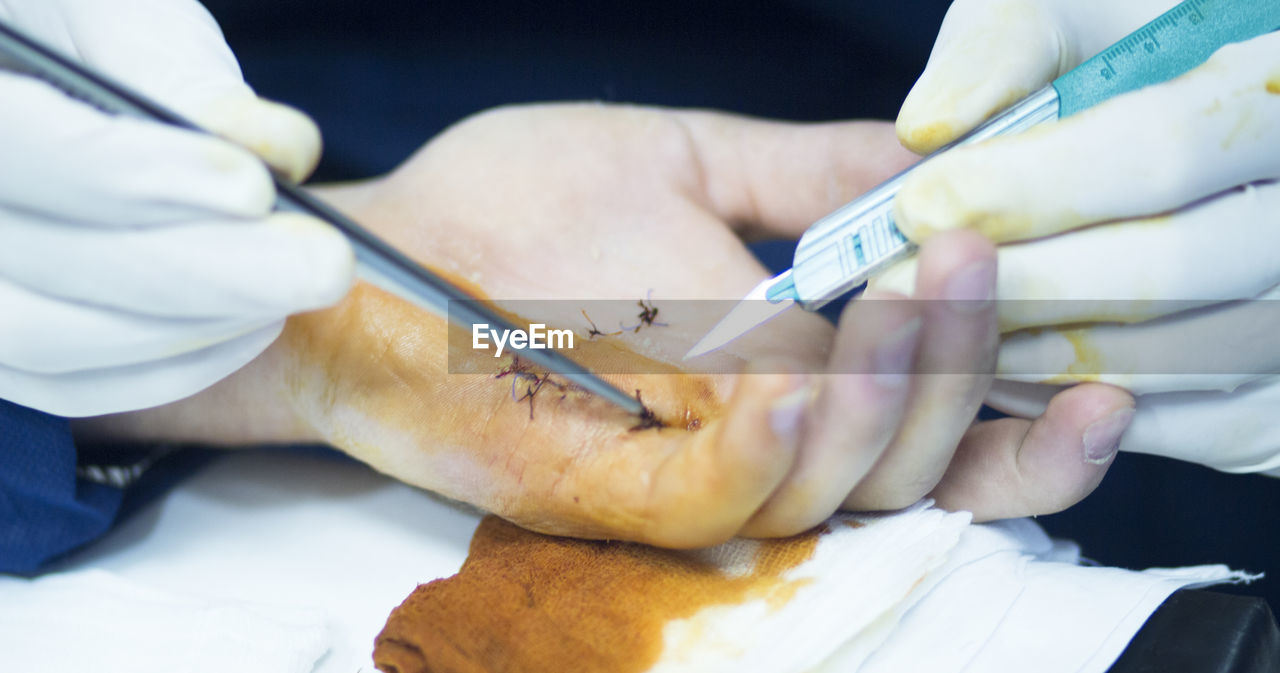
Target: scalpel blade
{"x":755,"y":310}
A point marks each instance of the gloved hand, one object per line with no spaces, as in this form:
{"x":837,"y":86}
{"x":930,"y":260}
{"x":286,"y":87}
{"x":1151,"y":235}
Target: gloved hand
{"x":1151,"y":208}
{"x":141,"y":263}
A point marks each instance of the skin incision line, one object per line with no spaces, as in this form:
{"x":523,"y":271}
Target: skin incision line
{"x":595,"y":331}
{"x":521,"y":371}
{"x":647,"y":317}
{"x":534,"y":380}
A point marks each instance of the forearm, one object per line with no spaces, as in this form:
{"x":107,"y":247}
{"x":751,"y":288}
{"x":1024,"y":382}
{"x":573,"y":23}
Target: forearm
{"x":250,"y":407}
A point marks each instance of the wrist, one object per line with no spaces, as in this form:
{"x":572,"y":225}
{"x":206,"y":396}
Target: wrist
{"x":253,"y":406}
{"x":259,"y":403}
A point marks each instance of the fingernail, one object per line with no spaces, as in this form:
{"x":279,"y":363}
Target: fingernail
{"x":1102,"y":438}
{"x":786,"y":414}
{"x":972,"y":288}
{"x":894,"y":355}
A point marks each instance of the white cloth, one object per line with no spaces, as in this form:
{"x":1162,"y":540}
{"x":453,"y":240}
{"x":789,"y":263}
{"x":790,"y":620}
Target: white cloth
{"x":850,"y":589}
{"x":94,"y":620}
{"x":923,"y":590}
{"x":331,"y":541}
{"x":1011,"y":599}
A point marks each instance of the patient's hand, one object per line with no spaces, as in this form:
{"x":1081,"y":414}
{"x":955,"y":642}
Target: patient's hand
{"x":587,"y":201}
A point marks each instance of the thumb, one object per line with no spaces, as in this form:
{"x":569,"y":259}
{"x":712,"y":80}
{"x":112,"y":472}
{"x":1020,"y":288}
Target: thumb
{"x":174,"y":52}
{"x":774,"y":179}
{"x":1013,"y":467}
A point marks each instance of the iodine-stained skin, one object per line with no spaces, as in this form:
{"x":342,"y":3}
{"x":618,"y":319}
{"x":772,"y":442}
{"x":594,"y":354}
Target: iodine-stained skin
{"x":539,"y":604}
{"x":372,"y":377}
{"x":572,"y":202}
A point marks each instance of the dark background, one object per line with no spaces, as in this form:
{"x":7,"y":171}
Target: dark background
{"x":383,"y":77}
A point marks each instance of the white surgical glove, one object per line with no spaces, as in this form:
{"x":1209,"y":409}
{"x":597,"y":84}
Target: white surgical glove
{"x":1125,"y":229}
{"x":140,"y":263}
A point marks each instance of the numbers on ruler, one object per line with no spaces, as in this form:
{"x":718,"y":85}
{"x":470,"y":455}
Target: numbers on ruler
{"x":1147,"y":39}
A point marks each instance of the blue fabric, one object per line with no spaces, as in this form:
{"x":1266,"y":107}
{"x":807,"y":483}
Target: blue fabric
{"x":45,"y":510}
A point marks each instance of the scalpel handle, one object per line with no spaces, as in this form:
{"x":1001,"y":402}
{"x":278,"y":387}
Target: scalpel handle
{"x":842,"y":250}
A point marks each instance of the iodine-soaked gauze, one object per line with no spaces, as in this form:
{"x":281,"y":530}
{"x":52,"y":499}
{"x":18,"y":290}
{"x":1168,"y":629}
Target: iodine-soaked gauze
{"x":540,"y":604}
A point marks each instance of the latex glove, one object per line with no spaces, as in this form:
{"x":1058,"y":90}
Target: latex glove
{"x":1151,"y":208}
{"x":142,"y":263}
{"x":617,"y":203}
